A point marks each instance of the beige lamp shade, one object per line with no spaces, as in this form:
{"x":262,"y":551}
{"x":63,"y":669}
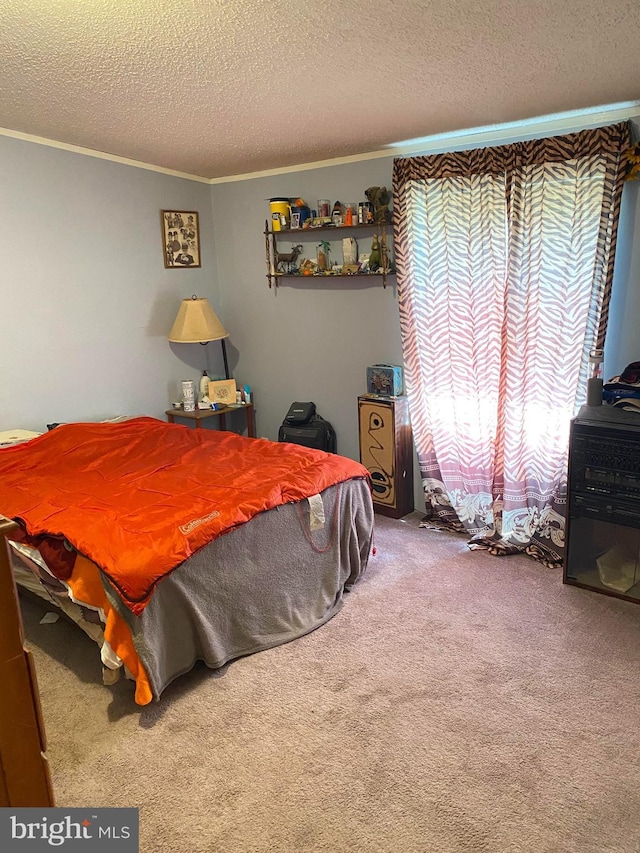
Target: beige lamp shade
{"x":196,"y":323}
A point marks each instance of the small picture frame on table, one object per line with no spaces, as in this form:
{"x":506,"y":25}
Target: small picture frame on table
{"x":295,"y":220}
{"x":222,"y":391}
{"x":180,"y":239}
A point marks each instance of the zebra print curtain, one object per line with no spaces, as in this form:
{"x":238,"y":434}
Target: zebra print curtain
{"x":505,"y":261}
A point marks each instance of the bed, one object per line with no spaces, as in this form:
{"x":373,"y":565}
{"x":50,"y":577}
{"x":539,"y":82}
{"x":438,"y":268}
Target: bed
{"x":170,"y":546}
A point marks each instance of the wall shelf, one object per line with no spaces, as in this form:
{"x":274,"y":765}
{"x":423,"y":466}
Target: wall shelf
{"x":356,"y":227}
{"x":332,"y":275}
{"x":274,"y":258}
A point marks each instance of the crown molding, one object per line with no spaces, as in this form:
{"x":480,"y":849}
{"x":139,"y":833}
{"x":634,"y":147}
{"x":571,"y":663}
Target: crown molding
{"x":101,"y":155}
{"x":476,"y":137}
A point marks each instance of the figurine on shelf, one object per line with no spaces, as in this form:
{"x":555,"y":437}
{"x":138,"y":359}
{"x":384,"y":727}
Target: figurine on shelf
{"x":380,"y":198}
{"x":374,"y":256}
{"x":349,"y":251}
{"x":324,"y":248}
{"x":286,"y":262}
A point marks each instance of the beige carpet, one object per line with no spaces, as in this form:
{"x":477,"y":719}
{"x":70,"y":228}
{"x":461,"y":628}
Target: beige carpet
{"x":458,"y":702}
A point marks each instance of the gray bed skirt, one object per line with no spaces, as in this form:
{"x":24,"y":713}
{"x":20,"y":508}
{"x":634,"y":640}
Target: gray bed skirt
{"x":267,"y":582}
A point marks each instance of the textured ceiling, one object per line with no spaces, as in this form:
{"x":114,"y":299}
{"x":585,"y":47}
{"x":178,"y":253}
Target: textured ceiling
{"x":223,"y":87}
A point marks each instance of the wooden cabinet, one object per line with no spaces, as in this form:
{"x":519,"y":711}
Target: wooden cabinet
{"x":24,"y":771}
{"x":386,"y":450}
{"x":602,"y":528}
{"x":281,"y":263}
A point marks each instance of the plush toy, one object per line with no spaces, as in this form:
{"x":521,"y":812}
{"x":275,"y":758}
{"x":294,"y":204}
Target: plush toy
{"x":379,"y":198}
{"x":633,"y":162}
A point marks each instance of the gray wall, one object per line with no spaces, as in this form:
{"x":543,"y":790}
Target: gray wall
{"x":309,"y":338}
{"x":623,"y":339}
{"x":86,"y":300}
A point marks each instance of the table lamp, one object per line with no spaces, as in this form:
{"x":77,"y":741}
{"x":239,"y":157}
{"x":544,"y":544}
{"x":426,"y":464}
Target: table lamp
{"x":197,"y":323}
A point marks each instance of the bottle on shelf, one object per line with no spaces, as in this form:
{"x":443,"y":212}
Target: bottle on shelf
{"x":594,"y":383}
{"x":350,"y":214}
{"x":204,"y":385}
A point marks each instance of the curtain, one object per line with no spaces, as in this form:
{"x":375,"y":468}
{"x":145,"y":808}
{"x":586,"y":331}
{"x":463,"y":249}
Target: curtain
{"x":504,"y":259}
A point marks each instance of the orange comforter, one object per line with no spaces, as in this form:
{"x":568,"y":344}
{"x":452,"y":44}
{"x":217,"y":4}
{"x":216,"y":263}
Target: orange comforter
{"x":139,"y":497}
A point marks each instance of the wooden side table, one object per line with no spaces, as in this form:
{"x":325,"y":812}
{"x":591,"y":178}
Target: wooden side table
{"x":202,"y":414}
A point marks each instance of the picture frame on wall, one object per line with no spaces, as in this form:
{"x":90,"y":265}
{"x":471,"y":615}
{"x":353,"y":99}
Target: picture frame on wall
{"x":180,"y":239}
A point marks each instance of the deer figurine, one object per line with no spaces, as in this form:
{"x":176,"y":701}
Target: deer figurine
{"x":286,"y":262}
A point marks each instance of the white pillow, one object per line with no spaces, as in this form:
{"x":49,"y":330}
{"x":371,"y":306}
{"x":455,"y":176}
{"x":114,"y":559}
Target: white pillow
{"x":16,"y":436}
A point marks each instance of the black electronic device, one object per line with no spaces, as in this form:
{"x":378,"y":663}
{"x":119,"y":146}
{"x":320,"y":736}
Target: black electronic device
{"x":605,"y":454}
{"x":300,"y":413}
{"x":603,"y":502}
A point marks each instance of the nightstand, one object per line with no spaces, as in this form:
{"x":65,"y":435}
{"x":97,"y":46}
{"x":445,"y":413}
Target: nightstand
{"x":202,"y":414}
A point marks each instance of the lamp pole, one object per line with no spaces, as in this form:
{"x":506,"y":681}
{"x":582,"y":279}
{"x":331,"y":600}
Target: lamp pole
{"x":224,"y":356}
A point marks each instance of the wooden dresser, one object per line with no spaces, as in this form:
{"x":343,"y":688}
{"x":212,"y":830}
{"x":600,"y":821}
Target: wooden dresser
{"x":24,"y":770}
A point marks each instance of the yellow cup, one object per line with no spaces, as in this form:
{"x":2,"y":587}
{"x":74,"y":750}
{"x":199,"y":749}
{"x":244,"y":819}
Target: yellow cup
{"x":280,"y":213}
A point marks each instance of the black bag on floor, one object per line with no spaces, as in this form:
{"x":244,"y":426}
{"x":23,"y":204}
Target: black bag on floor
{"x":303,"y":425}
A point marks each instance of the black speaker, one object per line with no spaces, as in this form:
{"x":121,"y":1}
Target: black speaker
{"x":386,"y":451}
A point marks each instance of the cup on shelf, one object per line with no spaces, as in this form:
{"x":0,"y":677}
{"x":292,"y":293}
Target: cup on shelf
{"x":188,"y":389}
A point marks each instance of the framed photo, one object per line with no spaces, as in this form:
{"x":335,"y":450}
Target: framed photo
{"x":295,"y":220}
{"x":222,"y":391}
{"x":180,"y":239}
